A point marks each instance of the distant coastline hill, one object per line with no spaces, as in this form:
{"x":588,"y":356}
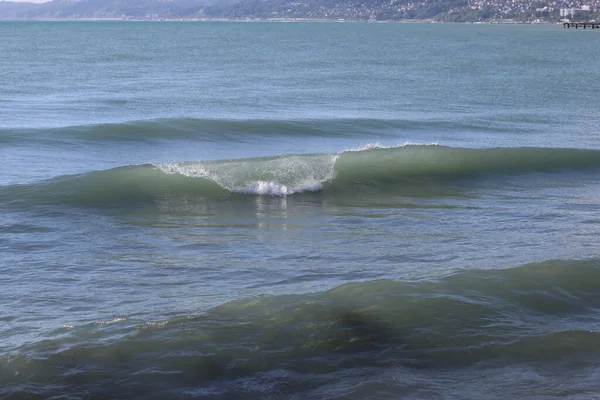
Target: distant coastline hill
{"x":346,"y":10}
{"x":104,"y":9}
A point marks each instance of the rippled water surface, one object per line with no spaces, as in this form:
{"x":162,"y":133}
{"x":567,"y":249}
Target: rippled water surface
{"x":304,"y":211}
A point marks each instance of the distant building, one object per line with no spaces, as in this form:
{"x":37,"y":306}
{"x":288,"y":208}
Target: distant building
{"x":575,"y":12}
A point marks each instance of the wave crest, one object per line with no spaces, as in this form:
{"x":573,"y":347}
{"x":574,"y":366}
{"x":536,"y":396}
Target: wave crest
{"x":275,"y":176}
{"x":394,"y":169}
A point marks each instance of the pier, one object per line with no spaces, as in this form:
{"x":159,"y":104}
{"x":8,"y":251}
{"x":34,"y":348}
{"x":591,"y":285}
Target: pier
{"x":584,"y":25}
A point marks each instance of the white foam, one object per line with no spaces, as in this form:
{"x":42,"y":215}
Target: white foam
{"x":260,"y":187}
{"x":377,"y":145}
{"x":277,"y":189}
{"x":195,"y":170}
{"x":112,"y":321}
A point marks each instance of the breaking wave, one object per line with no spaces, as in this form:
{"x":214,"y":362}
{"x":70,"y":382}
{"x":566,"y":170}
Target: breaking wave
{"x":379,"y":168}
{"x":274,"y":176}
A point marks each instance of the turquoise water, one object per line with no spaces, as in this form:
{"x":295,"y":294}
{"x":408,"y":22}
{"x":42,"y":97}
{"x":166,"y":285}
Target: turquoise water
{"x":308,"y":210}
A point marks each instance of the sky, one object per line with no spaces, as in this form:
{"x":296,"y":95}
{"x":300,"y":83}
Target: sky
{"x":28,"y":1}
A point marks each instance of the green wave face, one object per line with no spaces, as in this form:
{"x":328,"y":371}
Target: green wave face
{"x":379,"y":169}
{"x":414,"y":162}
{"x":469,"y":322}
{"x":120,"y":187}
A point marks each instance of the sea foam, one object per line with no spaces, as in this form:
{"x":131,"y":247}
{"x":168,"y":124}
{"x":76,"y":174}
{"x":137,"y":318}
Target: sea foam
{"x":277,"y":189}
{"x":378,"y":146}
{"x":273,"y":176}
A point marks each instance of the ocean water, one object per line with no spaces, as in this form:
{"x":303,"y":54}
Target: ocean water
{"x":299,"y":211}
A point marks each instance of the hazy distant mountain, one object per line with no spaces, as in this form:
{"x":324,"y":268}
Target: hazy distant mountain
{"x":105,"y":9}
{"x":243,"y":9}
{"x":10,"y":10}
{"x":335,"y":9}
{"x":443,"y":10}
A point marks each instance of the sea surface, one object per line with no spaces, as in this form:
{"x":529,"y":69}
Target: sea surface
{"x":299,"y":211}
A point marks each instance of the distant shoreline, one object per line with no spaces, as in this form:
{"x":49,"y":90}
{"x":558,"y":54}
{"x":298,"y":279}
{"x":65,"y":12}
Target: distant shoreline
{"x":279,"y":20}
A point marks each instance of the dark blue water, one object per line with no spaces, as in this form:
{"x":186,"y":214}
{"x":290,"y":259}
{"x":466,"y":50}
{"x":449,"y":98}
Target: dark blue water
{"x":310,"y":210}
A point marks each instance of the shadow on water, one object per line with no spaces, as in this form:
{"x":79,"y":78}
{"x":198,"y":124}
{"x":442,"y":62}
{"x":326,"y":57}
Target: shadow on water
{"x":539,"y":314}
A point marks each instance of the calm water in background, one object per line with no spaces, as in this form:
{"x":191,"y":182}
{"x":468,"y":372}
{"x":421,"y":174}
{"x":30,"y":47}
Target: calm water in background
{"x":311,"y":210}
